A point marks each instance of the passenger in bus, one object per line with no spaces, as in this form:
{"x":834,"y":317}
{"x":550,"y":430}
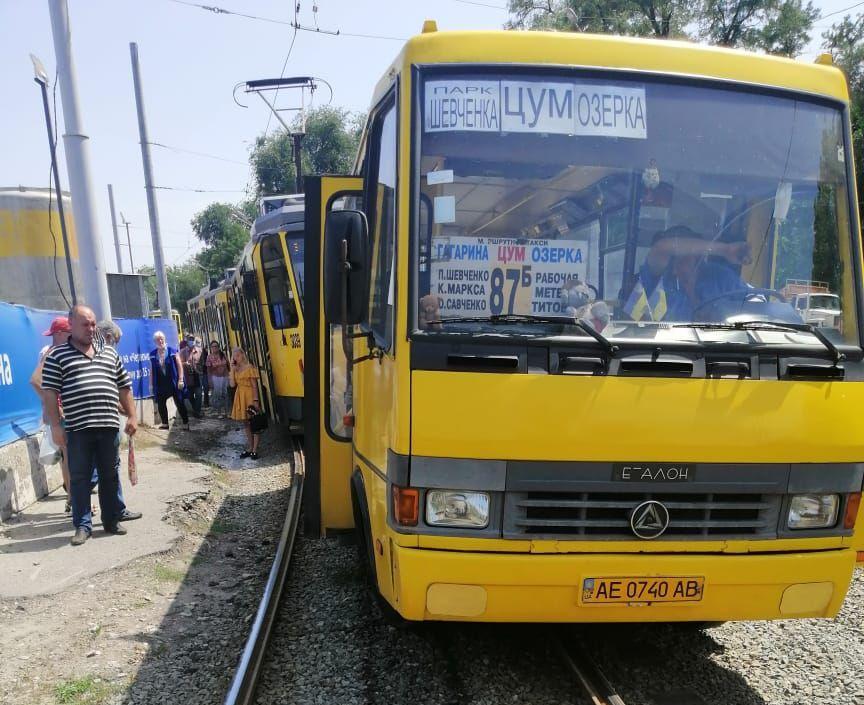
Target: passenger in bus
{"x":244,"y":378}
{"x":679,"y":275}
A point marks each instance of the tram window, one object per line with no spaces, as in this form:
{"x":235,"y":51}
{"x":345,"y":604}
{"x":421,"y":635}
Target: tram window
{"x":280,"y":299}
{"x":294,"y":245}
{"x":382,"y":291}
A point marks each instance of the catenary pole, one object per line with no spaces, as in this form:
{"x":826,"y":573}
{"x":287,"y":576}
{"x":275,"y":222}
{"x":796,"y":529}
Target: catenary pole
{"x":91,"y":261}
{"x":158,"y":257}
{"x":114,"y":228}
{"x":297,"y":139}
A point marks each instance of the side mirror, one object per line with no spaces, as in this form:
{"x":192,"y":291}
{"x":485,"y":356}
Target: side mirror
{"x":346,"y":267}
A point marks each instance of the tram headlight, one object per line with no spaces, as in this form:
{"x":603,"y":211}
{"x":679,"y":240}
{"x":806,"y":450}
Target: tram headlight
{"x":813,"y":511}
{"x":457,"y":508}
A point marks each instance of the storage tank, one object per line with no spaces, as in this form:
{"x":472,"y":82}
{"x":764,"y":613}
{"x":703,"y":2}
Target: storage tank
{"x":32,"y":256}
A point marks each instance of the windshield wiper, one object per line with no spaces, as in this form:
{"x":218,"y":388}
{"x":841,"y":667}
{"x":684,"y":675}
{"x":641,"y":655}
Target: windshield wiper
{"x":579,"y":323}
{"x":836,"y":355}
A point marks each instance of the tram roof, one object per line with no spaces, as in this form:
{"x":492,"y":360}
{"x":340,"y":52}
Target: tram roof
{"x":285,"y":219}
{"x":572,"y":49}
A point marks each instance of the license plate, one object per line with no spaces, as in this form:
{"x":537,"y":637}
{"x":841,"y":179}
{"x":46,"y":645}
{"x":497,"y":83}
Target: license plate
{"x":642,"y":590}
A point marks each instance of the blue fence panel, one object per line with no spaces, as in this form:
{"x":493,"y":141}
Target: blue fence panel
{"x":135,"y":347}
{"x":21,"y":340}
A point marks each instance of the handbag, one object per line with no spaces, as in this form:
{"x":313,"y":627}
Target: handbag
{"x":257,"y":419}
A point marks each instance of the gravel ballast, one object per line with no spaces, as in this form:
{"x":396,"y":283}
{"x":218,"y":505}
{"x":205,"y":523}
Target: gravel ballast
{"x":332,"y":645}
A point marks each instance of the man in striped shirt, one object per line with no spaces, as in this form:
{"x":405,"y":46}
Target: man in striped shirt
{"x":90,"y":379}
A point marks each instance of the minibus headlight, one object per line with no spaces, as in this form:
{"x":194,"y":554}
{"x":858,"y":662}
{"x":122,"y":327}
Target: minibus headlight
{"x":457,"y":508}
{"x":813,"y":511}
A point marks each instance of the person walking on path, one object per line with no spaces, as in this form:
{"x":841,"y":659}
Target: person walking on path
{"x":168,"y":379}
{"x":191,"y":358}
{"x":59,"y":332}
{"x":89,"y":377}
{"x":244,"y":378}
{"x":217,"y":373}
{"x":111,"y":334}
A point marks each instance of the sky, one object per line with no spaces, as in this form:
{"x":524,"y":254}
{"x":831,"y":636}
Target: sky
{"x":190,"y":60}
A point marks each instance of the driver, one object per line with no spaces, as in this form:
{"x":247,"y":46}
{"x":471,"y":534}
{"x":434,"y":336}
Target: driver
{"x":677,"y":276}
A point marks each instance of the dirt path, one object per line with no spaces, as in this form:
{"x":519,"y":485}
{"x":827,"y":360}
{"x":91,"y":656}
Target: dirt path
{"x":167,"y":627}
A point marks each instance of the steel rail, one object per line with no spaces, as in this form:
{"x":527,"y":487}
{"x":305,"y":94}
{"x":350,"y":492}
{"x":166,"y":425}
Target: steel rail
{"x":596,"y":686}
{"x":245,"y":679}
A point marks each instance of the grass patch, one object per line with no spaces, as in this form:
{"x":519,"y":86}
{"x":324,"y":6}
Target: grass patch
{"x":168,"y":574}
{"x":82,"y":691}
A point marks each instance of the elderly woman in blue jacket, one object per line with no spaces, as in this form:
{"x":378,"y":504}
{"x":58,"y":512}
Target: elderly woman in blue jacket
{"x":168,"y":381}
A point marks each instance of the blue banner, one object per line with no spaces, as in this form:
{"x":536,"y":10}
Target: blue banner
{"x":21,"y":339}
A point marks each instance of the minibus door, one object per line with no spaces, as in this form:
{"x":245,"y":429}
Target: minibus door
{"x":327,"y":399}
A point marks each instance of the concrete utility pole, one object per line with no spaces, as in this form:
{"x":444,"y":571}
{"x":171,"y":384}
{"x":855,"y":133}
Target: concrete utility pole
{"x":91,"y":260}
{"x":114,"y":228}
{"x":158,"y":257}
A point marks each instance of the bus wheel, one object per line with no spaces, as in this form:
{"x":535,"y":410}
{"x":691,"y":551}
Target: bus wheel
{"x":362,"y":527}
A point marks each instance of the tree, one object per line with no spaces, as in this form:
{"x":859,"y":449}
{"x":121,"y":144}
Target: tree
{"x":845,"y":41}
{"x":775,"y":26}
{"x":644,"y":18}
{"x":184,"y":282}
{"x":220,"y":228}
{"x":329,"y":147}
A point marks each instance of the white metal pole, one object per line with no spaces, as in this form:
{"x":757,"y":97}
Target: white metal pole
{"x":114,"y":228}
{"x":91,"y":261}
{"x":158,"y":257}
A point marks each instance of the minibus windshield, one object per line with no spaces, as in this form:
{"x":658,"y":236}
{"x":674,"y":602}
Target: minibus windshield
{"x":633,"y":205}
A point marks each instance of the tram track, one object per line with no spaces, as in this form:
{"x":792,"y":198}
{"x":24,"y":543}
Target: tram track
{"x":245,"y":680}
{"x":587,"y":673}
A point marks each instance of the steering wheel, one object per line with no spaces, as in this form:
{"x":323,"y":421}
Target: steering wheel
{"x":745,"y":294}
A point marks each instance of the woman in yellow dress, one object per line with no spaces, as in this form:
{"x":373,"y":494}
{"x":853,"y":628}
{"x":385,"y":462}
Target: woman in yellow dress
{"x":244,"y":377}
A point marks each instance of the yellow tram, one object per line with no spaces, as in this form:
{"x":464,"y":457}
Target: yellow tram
{"x":259,"y":306}
{"x":551,"y":375}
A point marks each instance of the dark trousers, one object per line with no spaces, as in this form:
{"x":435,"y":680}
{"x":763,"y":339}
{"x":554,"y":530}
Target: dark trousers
{"x":195,"y":399}
{"x":162,"y":397}
{"x":89,"y":448}
{"x":121,"y":502}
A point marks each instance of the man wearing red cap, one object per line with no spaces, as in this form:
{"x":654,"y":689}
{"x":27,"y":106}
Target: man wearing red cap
{"x":59,"y":331}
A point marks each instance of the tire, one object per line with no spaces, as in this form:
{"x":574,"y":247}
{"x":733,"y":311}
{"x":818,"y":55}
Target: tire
{"x":362,"y":525}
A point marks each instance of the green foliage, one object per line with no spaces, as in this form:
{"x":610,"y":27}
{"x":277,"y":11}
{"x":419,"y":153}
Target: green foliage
{"x":329,"y":147}
{"x":221,"y":228}
{"x":845,"y":41}
{"x":643,"y":18}
{"x":184,"y":282}
{"x":775,"y":26}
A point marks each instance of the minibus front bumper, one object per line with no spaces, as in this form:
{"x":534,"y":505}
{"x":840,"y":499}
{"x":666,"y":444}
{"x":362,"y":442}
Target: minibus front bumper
{"x":502,"y":587}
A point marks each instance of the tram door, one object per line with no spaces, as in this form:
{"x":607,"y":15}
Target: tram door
{"x":327,"y":401}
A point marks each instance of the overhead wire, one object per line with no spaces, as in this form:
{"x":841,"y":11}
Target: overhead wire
{"x":171,"y":148}
{"x":296,"y":25}
{"x":284,"y":64}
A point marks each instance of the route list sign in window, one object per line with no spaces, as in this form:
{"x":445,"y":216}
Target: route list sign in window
{"x":493,"y":276}
{"x":595,"y":109}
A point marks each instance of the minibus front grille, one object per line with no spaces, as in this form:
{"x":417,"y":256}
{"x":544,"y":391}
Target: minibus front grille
{"x":606,"y":515}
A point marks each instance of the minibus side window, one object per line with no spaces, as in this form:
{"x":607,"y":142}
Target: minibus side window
{"x":382,"y":290}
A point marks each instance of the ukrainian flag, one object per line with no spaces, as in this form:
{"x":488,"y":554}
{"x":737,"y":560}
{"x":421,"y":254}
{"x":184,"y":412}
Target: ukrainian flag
{"x":641,"y":307}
